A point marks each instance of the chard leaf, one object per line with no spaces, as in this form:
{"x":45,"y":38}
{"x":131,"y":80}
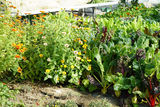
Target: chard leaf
{"x":98,"y":58}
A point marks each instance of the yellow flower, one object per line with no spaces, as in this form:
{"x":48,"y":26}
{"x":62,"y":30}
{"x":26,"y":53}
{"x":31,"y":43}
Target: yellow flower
{"x":57,"y":78}
{"x":41,"y":55}
{"x":61,"y":66}
{"x":19,"y":70}
{"x":80,"y":42}
{"x":65,"y":66}
{"x":82,"y":60}
{"x":79,"y":53}
{"x":86,"y":28}
{"x":13,"y":44}
{"x":85,"y":46}
{"x":48,"y":71}
{"x":62,"y":61}
{"x":80,"y":20}
{"x":42,"y":26}
{"x":72,"y":67}
{"x":64,"y":73}
{"x":72,"y":9}
{"x":89,"y":60}
{"x":85,"y":23}
{"x":89,"y":67}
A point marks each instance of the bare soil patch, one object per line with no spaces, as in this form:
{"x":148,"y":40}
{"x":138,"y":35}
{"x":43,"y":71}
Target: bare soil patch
{"x":43,"y":95}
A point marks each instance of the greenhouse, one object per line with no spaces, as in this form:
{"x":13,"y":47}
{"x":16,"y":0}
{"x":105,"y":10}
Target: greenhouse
{"x":79,"y":53}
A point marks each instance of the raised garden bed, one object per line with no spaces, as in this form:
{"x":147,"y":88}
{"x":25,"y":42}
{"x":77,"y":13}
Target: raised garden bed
{"x":116,"y":54}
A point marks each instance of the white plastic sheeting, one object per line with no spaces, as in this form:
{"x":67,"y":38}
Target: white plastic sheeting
{"x":31,"y":5}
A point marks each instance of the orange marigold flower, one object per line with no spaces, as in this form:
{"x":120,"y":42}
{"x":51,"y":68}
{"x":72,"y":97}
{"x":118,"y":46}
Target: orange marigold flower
{"x":10,"y":5}
{"x":17,"y":56}
{"x":38,"y":17}
{"x":11,"y":26}
{"x":75,"y":15}
{"x":40,"y":32}
{"x":43,"y":20}
{"x":19,"y":17}
{"x":23,"y":50}
{"x":27,"y":13}
{"x":14,"y":7}
{"x":78,"y":39}
{"x":26,"y":22}
{"x":2,"y":16}
{"x":85,"y":40}
{"x":19,"y":35}
{"x":42,"y":26}
{"x":5,"y":23}
{"x":13,"y":23}
{"x":14,"y":29}
{"x":13,"y":44}
{"x":19,"y":46}
{"x":136,"y":8}
{"x":21,"y":31}
{"x":42,"y":11}
{"x":128,"y":13}
{"x":19,"y":70}
{"x":44,"y":16}
{"x":24,"y":58}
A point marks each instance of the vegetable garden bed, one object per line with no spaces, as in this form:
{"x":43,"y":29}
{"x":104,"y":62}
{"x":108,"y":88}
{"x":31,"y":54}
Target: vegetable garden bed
{"x":117,"y":52}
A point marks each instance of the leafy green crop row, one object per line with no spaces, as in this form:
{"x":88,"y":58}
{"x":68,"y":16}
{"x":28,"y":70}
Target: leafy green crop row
{"x":120,"y":51}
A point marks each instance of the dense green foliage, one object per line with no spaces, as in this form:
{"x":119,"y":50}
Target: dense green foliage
{"x":116,"y":50}
{"x":5,"y":94}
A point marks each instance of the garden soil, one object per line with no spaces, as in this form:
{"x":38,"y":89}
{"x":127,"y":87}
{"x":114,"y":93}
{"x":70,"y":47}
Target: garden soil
{"x":43,"y":94}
